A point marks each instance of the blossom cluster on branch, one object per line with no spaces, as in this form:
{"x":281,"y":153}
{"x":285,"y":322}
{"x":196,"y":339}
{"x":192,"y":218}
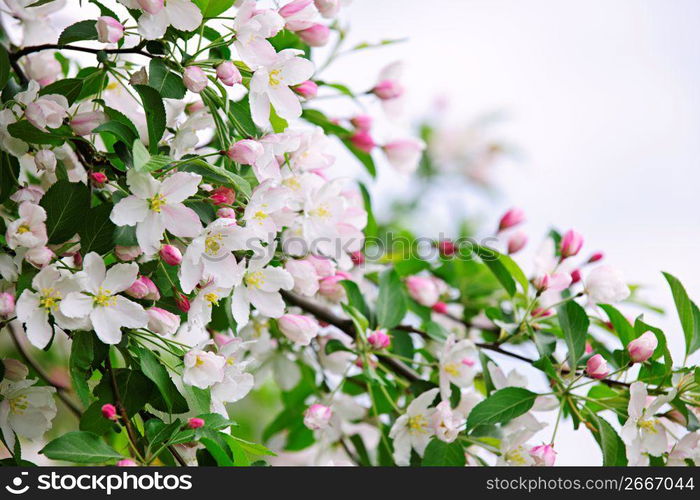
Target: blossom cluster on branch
{"x":168,"y":217}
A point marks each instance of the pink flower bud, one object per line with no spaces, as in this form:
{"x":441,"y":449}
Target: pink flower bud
{"x":222,"y":196}
{"x":195,"y":423}
{"x":143,"y":288}
{"x":245,"y":152}
{"x":298,"y":328}
{"x":543,"y":454}
{"x":423,"y":290}
{"x":226,"y":213}
{"x":298,"y":14}
{"x":228,"y":73}
{"x":440,"y":307}
{"x":541,"y":282}
{"x":362,"y":122}
{"x":317,"y":416}
{"x":162,"y":322}
{"x":182,"y":302}
{"x":511,"y":218}
{"x":85,"y":123}
{"x":595,"y":257}
{"x":127,"y":253}
{"x":45,"y":159}
{"x":98,"y":178}
{"x":109,"y":412}
{"x":171,"y":255}
{"x":378,"y":339}
{"x":316,"y":35}
{"x":39,"y":256}
{"x":307,"y":90}
{"x":597,"y":367}
{"x":575,"y":276}
{"x":109,"y":30}
{"x":571,"y":244}
{"x":331,"y":288}
{"x":323,"y":266}
{"x":358,"y":258}
{"x":446,"y":248}
{"x":7,"y":304}
{"x":516,"y":242}
{"x":388,"y":89}
{"x":127,"y":462}
{"x":195,"y":79}
{"x":541,"y":312}
{"x":151,"y":6}
{"x":362,"y":140}
{"x":642,"y":348}
{"x":14,"y":370}
{"x":193,"y":107}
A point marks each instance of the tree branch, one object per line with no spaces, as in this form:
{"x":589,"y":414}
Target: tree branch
{"x":54,"y":46}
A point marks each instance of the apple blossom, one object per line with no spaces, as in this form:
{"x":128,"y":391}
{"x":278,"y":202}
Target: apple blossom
{"x":109,"y":411}
{"x":413,"y":429}
{"x":423,"y":290}
{"x":307,"y":90}
{"x":99,"y":300}
{"x":597,"y":367}
{"x":47,"y":111}
{"x":543,"y":454}
{"x":516,"y":242}
{"x":571,"y":244}
{"x":183,"y":15}
{"x":245,"y":152}
{"x":228,"y":73}
{"x":363,"y":140}
{"x":126,"y":462}
{"x":447,"y":423}
{"x":170,"y":254}
{"x":45,"y":159}
{"x":143,"y":288}
{"x":643,"y":347}
{"x":43,"y":67}
{"x":404,"y":154}
{"x":298,"y":14}
{"x":237,"y":383}
{"x":195,"y":79}
{"x":388,"y":89}
{"x":378,"y":339}
{"x":98,"y":179}
{"x":317,"y":416}
{"x":127,"y":253}
{"x":195,"y":423}
{"x":85,"y":123}
{"x":222,"y":196}
{"x":304,"y":275}
{"x":7,"y":304}
{"x":203,"y":368}
{"x":25,"y":409}
{"x":457,"y":360}
{"x":29,"y":230}
{"x":328,"y":8}
{"x":109,"y":30}
{"x":315,"y":35}
{"x":253,"y":26}
{"x":511,"y":218}
{"x":162,"y":322}
{"x":39,"y":257}
{"x":14,"y":370}
{"x":298,"y":328}
{"x":595,"y":257}
{"x":606,"y":285}
{"x":331,"y":287}
{"x":156,"y":206}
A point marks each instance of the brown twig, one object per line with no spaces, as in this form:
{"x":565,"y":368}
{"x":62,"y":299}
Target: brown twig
{"x":54,"y":46}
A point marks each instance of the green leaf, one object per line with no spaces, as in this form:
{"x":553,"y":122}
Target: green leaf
{"x":66,"y":204}
{"x":218,"y":452}
{"x":614,"y":454}
{"x":620,"y":324}
{"x":355,"y":297}
{"x":4,"y":67}
{"x":574,"y":324}
{"x":97,"y":230}
{"x":501,"y":407}
{"x":686,"y":313}
{"x":239,"y":114}
{"x":121,"y":131}
{"x":441,"y":454}
{"x":391,"y":302}
{"x":135,"y":389}
{"x":82,"y":30}
{"x":155,"y":114}
{"x":503,"y":268}
{"x":29,"y":133}
{"x":85,"y":349}
{"x":80,"y":447}
{"x":69,"y":88}
{"x":9,"y":170}
{"x":218,"y":175}
{"x":154,"y":370}
{"x":212,"y":8}
{"x":167,"y":83}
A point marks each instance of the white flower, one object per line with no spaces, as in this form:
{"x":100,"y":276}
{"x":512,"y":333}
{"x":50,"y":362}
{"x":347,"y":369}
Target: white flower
{"x":311,"y":155}
{"x":514,"y":450}
{"x":264,"y":215}
{"x":305,"y":277}
{"x":25,"y":410}
{"x":267,"y":166}
{"x":260,"y":287}
{"x":270,"y":86}
{"x":253,"y":27}
{"x":643,"y":433}
{"x":47,"y":111}
{"x":186,"y":138}
{"x":207,"y":297}
{"x":35,"y":306}
{"x":447,"y":422}
{"x":413,"y":428}
{"x":29,"y":230}
{"x":606,"y":285}
{"x":457,"y":360}
{"x":687,"y":448}
{"x":14,"y":146}
{"x":156,"y":206}
{"x":236,"y":383}
{"x":203,"y":368}
{"x":209,"y":256}
{"x":180,"y":14}
{"x":108,"y":312}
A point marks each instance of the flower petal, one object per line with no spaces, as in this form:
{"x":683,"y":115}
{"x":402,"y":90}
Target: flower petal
{"x":268,"y":303}
{"x":129,"y":211}
{"x":76,"y":305}
{"x":120,"y":277}
{"x":181,"y":220}
{"x":150,"y":232}
{"x":95,"y":272}
{"x":180,"y":186}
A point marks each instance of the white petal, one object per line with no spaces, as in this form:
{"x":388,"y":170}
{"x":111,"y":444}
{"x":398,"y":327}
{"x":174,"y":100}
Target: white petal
{"x":120,"y":277}
{"x":180,"y":186}
{"x":286,"y":102}
{"x":76,"y":305}
{"x":107,"y":324}
{"x":153,"y":27}
{"x":143,"y":185}
{"x":95,"y":271}
{"x":129,"y":211}
{"x":150,"y":232}
{"x":184,"y":15}
{"x":130,"y":314}
{"x":240,"y":306}
{"x":39,"y":330}
{"x":297,"y":70}
{"x":260,"y":109}
{"x":225,"y":270}
{"x":276,"y":278}
{"x":268,"y":303}
{"x":181,"y":220}
{"x":190,"y":274}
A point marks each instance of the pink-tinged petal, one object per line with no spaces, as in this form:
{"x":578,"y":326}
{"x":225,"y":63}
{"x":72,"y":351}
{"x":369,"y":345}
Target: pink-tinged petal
{"x":120,"y":277}
{"x":276,"y":278}
{"x":285,"y":102}
{"x":150,"y":232}
{"x":143,"y":185}
{"x":107,"y":325}
{"x":76,"y":305}
{"x":184,"y":15}
{"x":131,"y":314}
{"x":240,"y":306}
{"x":152,"y":27}
{"x":180,"y":186}
{"x":181,"y":220}
{"x":95,"y":271}
{"x":129,"y":211}
{"x":267,"y":303}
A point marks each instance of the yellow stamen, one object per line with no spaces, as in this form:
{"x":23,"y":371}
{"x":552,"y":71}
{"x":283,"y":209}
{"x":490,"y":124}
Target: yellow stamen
{"x":212,"y":244}
{"x":156,"y":203}
{"x":24,"y":228}
{"x":104,"y":298}
{"x":19,"y":404}
{"x":255,"y":279}
{"x":49,"y":299}
{"x":515,"y":456}
{"x":274,"y":78}
{"x":212,"y":298}
{"x":649,"y":425}
{"x":417,"y":424}
{"x":451,"y":369}
{"x":321,"y":211}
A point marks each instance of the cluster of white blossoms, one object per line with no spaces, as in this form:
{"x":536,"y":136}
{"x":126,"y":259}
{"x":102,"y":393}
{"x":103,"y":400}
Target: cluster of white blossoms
{"x":180,"y":214}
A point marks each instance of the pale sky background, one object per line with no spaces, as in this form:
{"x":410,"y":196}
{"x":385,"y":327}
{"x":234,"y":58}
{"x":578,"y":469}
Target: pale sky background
{"x":602,"y":100}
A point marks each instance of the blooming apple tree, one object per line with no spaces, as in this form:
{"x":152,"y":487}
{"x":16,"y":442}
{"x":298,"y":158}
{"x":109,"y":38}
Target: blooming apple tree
{"x":173,"y":242}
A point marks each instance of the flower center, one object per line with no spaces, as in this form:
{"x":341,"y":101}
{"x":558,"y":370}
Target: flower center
{"x":515,"y":456}
{"x":19,"y":404}
{"x":212,"y":298}
{"x":274,"y":78}
{"x":321,"y":211}
{"x":49,"y":299}
{"x":648,"y":425}
{"x":417,"y":424}
{"x":104,"y":298}
{"x":255,"y":279}
{"x":156,"y":203}
{"x":200,"y":361}
{"x":212,"y":244}
{"x":24,"y":228}
{"x":260,"y":215}
{"x":292,"y":183}
{"x":451,"y":369}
